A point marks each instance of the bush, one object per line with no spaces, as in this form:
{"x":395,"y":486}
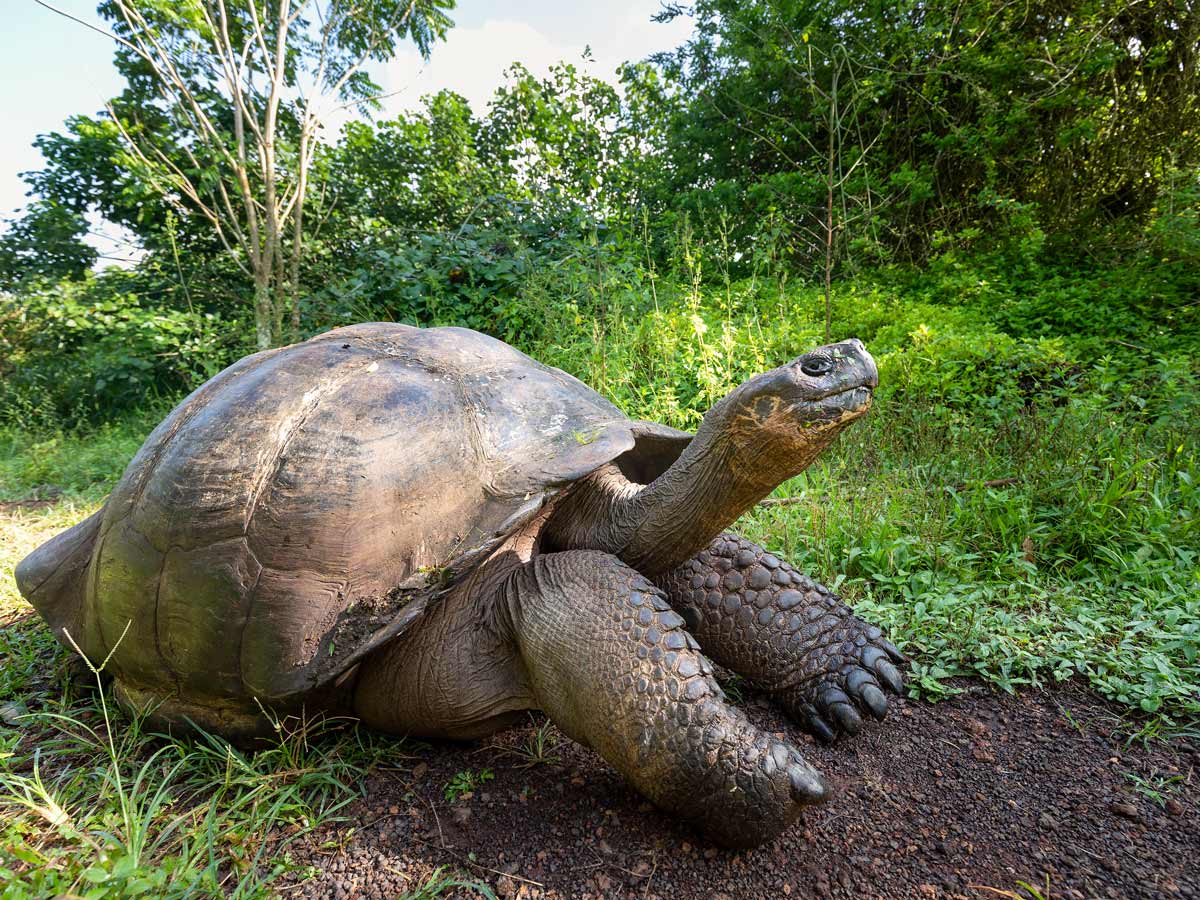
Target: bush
{"x":81,"y":353}
{"x":475,"y":276}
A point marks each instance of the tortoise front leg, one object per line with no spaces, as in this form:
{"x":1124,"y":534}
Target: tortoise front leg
{"x":785,"y":634}
{"x":612,"y":666}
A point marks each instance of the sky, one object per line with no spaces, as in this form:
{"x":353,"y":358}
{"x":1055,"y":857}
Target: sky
{"x":52,"y":68}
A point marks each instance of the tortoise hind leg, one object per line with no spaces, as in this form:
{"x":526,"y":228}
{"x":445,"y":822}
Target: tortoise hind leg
{"x":786,"y":634}
{"x":612,"y":666}
{"x":455,"y":676}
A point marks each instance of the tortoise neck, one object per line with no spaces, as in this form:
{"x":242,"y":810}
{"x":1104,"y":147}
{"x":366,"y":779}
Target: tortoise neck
{"x":681,"y":512}
{"x":655,"y":527}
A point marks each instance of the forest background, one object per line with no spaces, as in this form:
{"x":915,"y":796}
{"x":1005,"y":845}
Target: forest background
{"x":1001,"y":199}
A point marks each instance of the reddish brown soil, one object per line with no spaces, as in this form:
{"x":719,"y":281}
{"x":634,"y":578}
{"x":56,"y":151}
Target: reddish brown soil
{"x":939,"y":801}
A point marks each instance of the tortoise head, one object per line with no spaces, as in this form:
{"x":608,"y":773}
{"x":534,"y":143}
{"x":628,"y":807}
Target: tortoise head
{"x":789,"y":415}
{"x":762,"y":433}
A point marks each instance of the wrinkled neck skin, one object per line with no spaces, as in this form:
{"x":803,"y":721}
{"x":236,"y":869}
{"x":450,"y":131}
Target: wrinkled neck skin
{"x":730,"y":465}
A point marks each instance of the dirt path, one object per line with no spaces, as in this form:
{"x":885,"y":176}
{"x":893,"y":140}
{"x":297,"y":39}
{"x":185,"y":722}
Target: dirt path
{"x":940,"y":801}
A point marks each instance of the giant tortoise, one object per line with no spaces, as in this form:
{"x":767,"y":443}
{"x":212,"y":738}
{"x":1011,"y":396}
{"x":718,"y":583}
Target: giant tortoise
{"x":429,"y":530}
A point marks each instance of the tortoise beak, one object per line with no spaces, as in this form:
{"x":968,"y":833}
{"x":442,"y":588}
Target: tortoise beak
{"x":866,"y":362}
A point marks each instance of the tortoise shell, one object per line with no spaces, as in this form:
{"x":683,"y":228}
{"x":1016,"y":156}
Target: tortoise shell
{"x":308,"y":503}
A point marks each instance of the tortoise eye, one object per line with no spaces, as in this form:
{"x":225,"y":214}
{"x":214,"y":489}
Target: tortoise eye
{"x":816,"y":366}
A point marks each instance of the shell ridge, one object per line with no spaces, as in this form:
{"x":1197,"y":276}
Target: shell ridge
{"x":251,"y":598}
{"x":199,"y":400}
{"x":58,"y":565}
{"x":269,"y":467}
{"x":90,"y":594}
{"x":158,"y":581}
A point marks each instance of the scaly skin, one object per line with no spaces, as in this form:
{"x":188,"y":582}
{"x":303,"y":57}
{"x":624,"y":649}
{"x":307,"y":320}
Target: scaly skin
{"x":611,"y":664}
{"x":786,"y":634}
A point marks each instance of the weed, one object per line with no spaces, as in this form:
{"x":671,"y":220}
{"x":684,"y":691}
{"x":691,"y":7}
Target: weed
{"x":1156,"y":788}
{"x":464,"y":784}
{"x":537,"y":749}
{"x":1031,"y":892}
{"x":441,"y":882}
{"x":734,"y":687}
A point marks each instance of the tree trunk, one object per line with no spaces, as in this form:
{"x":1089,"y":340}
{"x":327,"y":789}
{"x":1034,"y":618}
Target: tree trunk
{"x":263,"y":313}
{"x":298,"y":238}
{"x":834,"y":125}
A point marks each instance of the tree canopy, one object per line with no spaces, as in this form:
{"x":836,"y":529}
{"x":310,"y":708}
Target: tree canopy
{"x":818,"y":135}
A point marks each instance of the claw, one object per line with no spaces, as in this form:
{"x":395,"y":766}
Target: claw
{"x":846,"y":717}
{"x":820,"y":729}
{"x":889,"y":676}
{"x":870,"y":656}
{"x":807,"y":784}
{"x":837,"y":705}
{"x":857,"y":680}
{"x":892,"y":650}
{"x":874,"y":700}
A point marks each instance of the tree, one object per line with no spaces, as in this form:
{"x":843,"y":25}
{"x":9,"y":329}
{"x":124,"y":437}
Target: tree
{"x":983,"y":120}
{"x":424,"y":170}
{"x":225,"y":106}
{"x":46,"y":243}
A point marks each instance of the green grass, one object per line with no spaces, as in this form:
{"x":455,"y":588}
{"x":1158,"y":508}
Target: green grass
{"x":464,"y":784}
{"x":70,"y":464}
{"x":1012,"y":509}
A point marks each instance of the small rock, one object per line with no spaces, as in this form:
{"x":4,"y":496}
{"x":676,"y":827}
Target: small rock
{"x":1174,"y":807}
{"x":11,"y":712}
{"x":1047,"y":821}
{"x":419,"y":770}
{"x":1124,"y":809}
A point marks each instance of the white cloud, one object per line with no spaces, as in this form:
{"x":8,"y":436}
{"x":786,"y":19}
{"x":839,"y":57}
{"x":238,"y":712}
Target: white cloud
{"x":471,"y":62}
{"x":473,"y":58}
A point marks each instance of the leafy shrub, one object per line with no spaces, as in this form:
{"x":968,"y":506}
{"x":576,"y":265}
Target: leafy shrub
{"x":1125,"y":307}
{"x":83,"y":352}
{"x":475,"y":276}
